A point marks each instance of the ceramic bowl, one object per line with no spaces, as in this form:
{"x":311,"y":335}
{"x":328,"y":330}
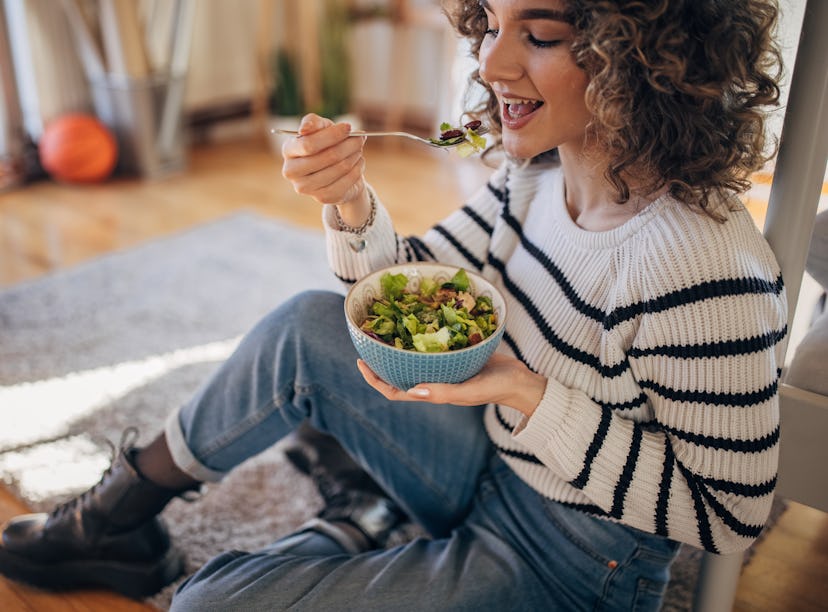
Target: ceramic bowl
{"x":405,"y":368}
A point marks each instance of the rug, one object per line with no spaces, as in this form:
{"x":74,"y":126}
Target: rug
{"x":123,"y":340}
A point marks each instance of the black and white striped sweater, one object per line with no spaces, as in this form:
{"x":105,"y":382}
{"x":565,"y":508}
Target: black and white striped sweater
{"x":660,"y":340}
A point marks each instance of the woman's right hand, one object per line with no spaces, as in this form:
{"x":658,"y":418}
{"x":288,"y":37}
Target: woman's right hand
{"x":323,"y":162}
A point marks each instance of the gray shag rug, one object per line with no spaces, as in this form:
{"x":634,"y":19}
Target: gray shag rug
{"x":123,"y":340}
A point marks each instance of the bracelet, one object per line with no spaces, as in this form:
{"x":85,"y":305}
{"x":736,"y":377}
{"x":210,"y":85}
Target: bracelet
{"x":344,"y":227}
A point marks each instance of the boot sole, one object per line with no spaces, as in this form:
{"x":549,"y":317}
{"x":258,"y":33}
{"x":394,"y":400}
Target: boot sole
{"x":134,"y":580}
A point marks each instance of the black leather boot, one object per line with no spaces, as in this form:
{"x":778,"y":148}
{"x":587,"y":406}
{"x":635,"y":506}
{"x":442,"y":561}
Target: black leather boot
{"x":108,"y":537}
{"x":351,"y":496}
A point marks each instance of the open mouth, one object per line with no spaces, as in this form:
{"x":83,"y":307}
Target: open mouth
{"x":516,"y":108}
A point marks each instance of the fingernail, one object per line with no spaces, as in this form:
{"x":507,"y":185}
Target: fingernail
{"x":419,"y":392}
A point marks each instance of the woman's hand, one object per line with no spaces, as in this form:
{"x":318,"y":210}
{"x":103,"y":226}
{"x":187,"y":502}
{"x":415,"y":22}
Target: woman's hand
{"x":503,"y":380}
{"x":323,"y":162}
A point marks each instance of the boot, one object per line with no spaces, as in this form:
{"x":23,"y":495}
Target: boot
{"x":108,"y":537}
{"x":352,"y":498}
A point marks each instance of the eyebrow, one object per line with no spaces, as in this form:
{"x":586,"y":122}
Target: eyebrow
{"x":537,"y":13}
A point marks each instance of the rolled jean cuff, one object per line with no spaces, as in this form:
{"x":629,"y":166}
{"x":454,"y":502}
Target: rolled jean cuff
{"x":182,"y":456}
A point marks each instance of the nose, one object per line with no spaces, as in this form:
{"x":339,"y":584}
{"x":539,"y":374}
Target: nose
{"x":499,"y":61}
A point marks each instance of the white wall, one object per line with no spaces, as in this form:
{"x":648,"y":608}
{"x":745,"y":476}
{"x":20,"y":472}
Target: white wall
{"x":790,"y":24}
{"x":222,"y":59}
{"x":222,"y":64}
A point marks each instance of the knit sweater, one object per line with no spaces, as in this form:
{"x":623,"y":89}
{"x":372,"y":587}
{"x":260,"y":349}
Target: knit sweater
{"x":660,"y":341}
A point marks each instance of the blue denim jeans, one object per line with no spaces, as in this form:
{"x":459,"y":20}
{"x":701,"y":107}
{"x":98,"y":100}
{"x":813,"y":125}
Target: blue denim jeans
{"x":495,"y":543}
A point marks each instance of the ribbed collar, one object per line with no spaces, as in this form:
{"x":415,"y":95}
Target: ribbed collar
{"x":546,"y":183}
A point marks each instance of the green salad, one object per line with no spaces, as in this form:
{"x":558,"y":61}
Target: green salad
{"x":437,"y":318}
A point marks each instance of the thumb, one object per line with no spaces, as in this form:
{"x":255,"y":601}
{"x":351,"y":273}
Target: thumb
{"x":313,"y":123}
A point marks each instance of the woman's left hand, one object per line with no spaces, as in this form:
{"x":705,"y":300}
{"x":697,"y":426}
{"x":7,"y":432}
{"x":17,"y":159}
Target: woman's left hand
{"x":503,"y":380}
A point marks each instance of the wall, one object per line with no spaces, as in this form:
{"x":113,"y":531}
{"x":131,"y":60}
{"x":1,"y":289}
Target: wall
{"x":790,"y":24}
{"x":223,"y":60}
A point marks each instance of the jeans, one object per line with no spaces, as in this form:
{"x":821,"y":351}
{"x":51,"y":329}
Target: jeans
{"x":495,"y":544}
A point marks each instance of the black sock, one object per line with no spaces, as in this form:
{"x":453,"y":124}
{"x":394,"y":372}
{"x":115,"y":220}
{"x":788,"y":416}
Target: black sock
{"x":154,"y":462}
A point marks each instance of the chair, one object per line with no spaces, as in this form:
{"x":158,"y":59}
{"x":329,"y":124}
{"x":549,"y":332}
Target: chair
{"x":800,"y":171}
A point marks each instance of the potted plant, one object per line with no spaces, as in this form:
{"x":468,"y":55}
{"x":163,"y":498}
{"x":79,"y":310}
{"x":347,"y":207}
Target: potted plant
{"x":335,"y":60}
{"x":286,"y":101}
{"x":285,"y":104}
{"x":286,"y":96}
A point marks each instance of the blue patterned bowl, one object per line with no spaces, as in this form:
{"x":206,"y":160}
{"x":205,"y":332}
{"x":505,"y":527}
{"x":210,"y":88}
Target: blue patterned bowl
{"x":405,"y":369}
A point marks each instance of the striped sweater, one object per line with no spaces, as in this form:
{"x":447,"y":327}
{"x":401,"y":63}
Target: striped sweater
{"x":660,"y":341}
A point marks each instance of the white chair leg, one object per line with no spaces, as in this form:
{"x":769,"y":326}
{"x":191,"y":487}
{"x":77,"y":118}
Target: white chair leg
{"x":718,"y":581}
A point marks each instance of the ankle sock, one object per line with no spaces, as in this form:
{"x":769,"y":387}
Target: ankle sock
{"x":155,"y":464}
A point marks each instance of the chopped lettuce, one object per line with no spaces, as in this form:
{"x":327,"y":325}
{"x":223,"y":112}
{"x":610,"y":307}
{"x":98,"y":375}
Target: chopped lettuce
{"x":438,"y":317}
{"x":460,"y":280}
{"x":393,"y":285}
{"x":432,"y":342}
{"x":473,"y":144}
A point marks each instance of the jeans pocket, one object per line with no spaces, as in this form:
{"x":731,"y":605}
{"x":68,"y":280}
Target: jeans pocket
{"x":606,"y":542}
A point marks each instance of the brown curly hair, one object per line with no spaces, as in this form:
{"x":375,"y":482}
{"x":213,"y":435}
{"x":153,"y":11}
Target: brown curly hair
{"x":678,"y":89}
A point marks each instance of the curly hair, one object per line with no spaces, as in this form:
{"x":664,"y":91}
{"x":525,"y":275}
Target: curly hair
{"x":678,"y":89}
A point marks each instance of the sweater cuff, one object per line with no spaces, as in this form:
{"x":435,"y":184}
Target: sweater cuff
{"x":352,"y":256}
{"x":536,"y":432}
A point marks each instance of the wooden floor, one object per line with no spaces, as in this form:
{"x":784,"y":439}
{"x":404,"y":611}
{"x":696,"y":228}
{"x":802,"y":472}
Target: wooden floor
{"x":45,"y":227}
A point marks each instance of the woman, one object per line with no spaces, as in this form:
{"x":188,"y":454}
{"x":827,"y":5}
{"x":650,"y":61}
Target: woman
{"x":633,"y":405}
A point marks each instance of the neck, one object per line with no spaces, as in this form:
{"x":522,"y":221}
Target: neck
{"x":591,"y":199}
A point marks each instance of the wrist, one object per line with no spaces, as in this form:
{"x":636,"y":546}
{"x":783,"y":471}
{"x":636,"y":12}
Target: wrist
{"x":357,"y":216}
{"x":530,"y":392}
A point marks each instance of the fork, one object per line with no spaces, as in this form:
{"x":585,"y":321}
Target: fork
{"x":479,"y":131}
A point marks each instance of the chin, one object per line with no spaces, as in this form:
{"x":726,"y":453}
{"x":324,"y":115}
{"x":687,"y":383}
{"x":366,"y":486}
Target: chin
{"x":519,"y":148}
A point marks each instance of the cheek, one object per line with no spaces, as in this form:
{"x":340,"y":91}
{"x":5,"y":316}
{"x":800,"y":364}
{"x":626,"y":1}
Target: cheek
{"x":568,"y":94}
{"x":578,"y":83}
{"x":579,"y":87}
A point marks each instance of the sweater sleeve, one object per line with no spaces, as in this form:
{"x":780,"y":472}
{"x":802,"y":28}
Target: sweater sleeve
{"x":462,"y":239}
{"x":706,"y":356}
{"x":352,"y":256}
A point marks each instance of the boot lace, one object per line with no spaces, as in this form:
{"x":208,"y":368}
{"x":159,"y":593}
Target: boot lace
{"x":128,"y":438}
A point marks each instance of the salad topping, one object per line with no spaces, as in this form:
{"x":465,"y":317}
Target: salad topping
{"x":437,"y":318}
{"x":467,"y":137}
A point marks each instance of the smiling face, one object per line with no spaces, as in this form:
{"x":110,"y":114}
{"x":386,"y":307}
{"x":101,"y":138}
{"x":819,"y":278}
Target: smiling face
{"x":526,"y":59}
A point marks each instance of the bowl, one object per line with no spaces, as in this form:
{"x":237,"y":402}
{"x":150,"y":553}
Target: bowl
{"x":407,"y":368}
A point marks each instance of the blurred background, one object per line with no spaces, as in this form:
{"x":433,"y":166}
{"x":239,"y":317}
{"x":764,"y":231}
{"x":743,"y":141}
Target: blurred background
{"x":223,"y":68}
{"x":229,"y":68}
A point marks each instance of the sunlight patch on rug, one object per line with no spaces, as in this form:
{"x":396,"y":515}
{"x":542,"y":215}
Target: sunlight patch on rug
{"x":64,"y":399}
{"x":56,"y":469}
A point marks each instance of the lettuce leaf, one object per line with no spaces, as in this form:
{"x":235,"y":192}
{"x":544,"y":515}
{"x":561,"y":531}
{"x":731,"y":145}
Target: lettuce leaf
{"x":433,"y":342}
{"x":393,"y":285}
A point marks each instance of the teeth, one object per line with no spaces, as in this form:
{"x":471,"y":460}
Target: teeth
{"x":518,"y":101}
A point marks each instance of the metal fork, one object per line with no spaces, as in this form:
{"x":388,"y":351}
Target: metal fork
{"x":479,"y":131}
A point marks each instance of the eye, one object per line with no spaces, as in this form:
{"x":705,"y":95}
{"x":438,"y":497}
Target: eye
{"x":543,"y":44}
{"x":491,"y":32}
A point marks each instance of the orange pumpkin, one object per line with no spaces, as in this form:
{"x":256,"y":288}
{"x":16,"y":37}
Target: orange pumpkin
{"x":78,"y":148}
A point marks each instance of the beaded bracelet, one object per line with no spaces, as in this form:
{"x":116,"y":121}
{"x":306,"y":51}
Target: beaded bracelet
{"x":344,"y":227}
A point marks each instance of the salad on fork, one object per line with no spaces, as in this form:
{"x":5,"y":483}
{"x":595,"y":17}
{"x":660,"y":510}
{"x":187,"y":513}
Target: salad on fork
{"x":467,"y":138}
